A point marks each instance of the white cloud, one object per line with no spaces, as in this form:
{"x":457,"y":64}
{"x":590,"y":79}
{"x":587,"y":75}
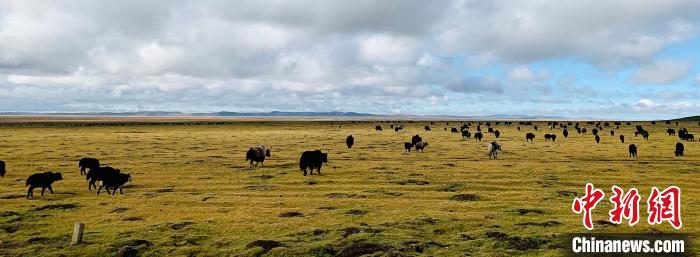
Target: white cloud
{"x":525,"y":74}
{"x":662,"y":72}
{"x":388,"y":50}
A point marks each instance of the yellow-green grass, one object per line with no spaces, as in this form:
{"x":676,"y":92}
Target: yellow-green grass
{"x":193,"y":194}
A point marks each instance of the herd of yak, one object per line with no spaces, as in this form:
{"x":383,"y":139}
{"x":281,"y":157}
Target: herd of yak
{"x":114,"y":179}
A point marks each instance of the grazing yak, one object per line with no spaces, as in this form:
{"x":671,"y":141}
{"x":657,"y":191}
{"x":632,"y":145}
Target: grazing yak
{"x":99,"y":174}
{"x":478,"y":136}
{"x":594,"y":131}
{"x":420,"y":146}
{"x":622,"y":138}
{"x":43,"y":180}
{"x":566,"y":133}
{"x":378,"y":128}
{"x":552,"y":137}
{"x":529,"y":137}
{"x":633,"y":150}
{"x":597,"y":139}
{"x":349,"y":141}
{"x":2,"y":169}
{"x":671,"y":132}
{"x":257,"y":154}
{"x":497,"y":133}
{"x":312,"y":160}
{"x":407,"y":146}
{"x":679,"y":149}
{"x":466,"y":134}
{"x":645,"y":134}
{"x":114,"y":181}
{"x":689,"y":137}
{"x":88,"y":163}
{"x":398,"y":128}
{"x":454,"y":130}
{"x":427,"y":128}
{"x":416,"y":139}
{"x":612,"y":133}
{"x":494,"y":148}
{"x":490,"y":130}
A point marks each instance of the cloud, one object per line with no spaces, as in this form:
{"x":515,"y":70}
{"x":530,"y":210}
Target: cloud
{"x":662,"y":72}
{"x":363,"y":55}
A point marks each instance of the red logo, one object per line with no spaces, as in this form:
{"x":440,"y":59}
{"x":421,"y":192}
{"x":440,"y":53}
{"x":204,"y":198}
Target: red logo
{"x":587,"y":203}
{"x":665,"y":206}
{"x":661,"y":206}
{"x":626,"y":206}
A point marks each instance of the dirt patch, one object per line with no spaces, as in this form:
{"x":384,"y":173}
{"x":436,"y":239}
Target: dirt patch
{"x":526,"y":211}
{"x":604,"y":223}
{"x":344,"y":195}
{"x":451,"y":188}
{"x":411,"y":181}
{"x":517,"y":243}
{"x":291,"y":214}
{"x":266,"y":245}
{"x":131,"y":248}
{"x":263,"y":177}
{"x":465,"y":197}
{"x":356,"y":212}
{"x":119,"y":210}
{"x":8,"y":214}
{"x":355,"y":230}
{"x":66,"y":206}
{"x":8,"y":197}
{"x":549,"y":223}
{"x":384,"y":192}
{"x":567,"y":193}
{"x":362,"y":248}
{"x":181,"y":225}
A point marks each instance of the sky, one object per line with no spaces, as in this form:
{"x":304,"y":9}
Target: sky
{"x":613,"y":59}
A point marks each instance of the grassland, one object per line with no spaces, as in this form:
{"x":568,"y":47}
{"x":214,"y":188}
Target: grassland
{"x":193,"y":194}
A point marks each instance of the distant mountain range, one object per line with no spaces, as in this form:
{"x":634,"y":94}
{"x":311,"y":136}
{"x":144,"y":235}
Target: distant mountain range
{"x":316,"y":114}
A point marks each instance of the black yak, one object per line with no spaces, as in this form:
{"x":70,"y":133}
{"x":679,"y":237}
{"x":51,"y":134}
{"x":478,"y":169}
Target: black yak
{"x":679,"y":149}
{"x":114,"y":181}
{"x":378,"y":128}
{"x":622,"y":138}
{"x":43,"y":180}
{"x":88,"y":163}
{"x":494,"y":148}
{"x":454,"y":130}
{"x":98,"y":175}
{"x":547,"y":137}
{"x":671,"y":132}
{"x":490,"y":130}
{"x":466,"y":134}
{"x":257,"y":154}
{"x":416,"y":139}
{"x":420,"y":146}
{"x":529,"y":137}
{"x":633,"y":150}
{"x":478,"y":136}
{"x":566,"y":133}
{"x":497,"y":133}
{"x":535,"y":127}
{"x":597,"y":139}
{"x":645,"y":134}
{"x":518,"y":128}
{"x":595,"y":131}
{"x":612,"y":133}
{"x":349,"y":141}
{"x":2,"y":169}
{"x":312,"y":160}
{"x":407,"y":146}
{"x":427,"y":128}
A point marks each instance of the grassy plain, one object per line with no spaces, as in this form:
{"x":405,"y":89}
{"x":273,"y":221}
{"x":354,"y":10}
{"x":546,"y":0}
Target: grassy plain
{"x":193,"y":194}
